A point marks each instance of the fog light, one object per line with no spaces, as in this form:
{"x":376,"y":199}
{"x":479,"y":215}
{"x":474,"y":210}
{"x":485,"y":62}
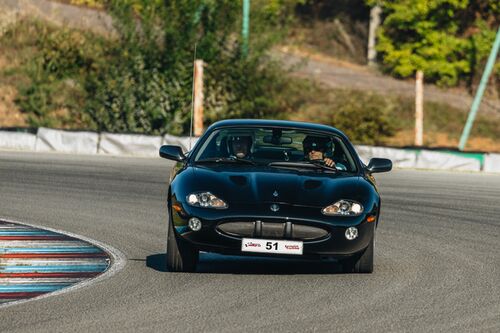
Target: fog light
{"x":194,"y":224}
{"x":351,"y":233}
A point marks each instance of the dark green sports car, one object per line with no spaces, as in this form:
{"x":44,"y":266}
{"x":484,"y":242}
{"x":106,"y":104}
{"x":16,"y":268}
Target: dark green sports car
{"x":272,"y":188}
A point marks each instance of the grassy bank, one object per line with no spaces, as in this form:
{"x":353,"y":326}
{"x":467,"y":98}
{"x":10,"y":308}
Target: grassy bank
{"x":356,"y":112}
{"x":30,"y":95}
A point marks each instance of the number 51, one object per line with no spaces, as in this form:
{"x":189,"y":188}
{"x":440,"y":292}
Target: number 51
{"x":271,"y":245}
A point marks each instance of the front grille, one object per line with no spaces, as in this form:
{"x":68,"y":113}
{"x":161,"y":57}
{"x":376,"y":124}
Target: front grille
{"x":273,"y":230}
{"x":239,"y":229}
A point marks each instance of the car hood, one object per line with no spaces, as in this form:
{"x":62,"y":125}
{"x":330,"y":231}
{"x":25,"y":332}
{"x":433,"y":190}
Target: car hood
{"x":242,"y":184}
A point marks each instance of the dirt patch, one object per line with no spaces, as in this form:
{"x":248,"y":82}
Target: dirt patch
{"x":340,"y":74}
{"x":10,"y":115}
{"x":308,"y":53}
{"x":4,"y":63}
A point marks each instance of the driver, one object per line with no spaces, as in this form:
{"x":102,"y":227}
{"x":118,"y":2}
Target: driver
{"x":240,"y":145}
{"x":315,"y":148}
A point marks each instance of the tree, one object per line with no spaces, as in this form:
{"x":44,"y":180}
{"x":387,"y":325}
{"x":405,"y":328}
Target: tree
{"x":447,"y":39}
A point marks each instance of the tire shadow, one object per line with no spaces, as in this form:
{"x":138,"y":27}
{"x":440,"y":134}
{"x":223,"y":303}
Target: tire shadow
{"x":158,"y":262}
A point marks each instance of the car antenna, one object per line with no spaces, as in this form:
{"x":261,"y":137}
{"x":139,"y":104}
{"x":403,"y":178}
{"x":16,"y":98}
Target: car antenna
{"x":192,"y":100}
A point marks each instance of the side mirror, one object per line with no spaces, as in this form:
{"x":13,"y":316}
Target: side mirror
{"x":173,"y":153}
{"x":379,"y":165}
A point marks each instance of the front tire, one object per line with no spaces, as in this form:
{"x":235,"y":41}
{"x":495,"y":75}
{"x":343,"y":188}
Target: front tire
{"x":362,"y":263}
{"x":181,"y":257}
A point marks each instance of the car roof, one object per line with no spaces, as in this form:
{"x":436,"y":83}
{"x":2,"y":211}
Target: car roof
{"x":276,"y":123}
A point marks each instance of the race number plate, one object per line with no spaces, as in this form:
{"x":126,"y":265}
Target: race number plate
{"x":271,"y":246}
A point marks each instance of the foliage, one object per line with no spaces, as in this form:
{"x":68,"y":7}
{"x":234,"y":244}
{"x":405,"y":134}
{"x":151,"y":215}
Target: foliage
{"x":88,"y":3}
{"x":448,"y":39}
{"x":146,"y":87}
{"x":336,"y":28}
{"x":366,"y":118}
{"x":326,"y":10}
{"x":134,"y":98}
{"x":49,"y":80}
{"x":371,"y":118}
{"x":140,"y":81}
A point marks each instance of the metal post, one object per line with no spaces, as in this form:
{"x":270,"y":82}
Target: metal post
{"x":480,"y":91}
{"x":198,"y":97}
{"x":419,"y":109}
{"x":245,"y":29}
{"x":375,"y":13}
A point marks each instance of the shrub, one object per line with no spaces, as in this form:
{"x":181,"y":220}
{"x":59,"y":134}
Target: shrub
{"x":49,"y":80}
{"x":146,"y":85}
{"x":365,"y":117}
{"x":140,"y":80}
{"x":133,"y":98}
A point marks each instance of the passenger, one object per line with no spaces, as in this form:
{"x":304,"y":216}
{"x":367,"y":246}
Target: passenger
{"x":315,"y":148}
{"x":240,"y":146}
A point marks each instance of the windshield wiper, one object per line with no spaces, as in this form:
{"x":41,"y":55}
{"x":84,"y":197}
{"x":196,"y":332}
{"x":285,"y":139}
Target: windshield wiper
{"x":226,"y":160}
{"x":302,"y":164}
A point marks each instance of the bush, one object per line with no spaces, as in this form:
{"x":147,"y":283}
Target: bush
{"x":49,"y":80}
{"x":68,"y":53}
{"x":366,"y":118}
{"x":146,"y":85}
{"x":140,"y":80}
{"x":134,"y":98}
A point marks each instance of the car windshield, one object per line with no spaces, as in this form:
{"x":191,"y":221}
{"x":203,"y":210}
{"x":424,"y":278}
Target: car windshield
{"x":276,"y":147}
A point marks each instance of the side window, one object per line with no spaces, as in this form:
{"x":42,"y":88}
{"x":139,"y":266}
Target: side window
{"x":222,"y":149}
{"x":210,"y":150}
{"x":341,"y":156}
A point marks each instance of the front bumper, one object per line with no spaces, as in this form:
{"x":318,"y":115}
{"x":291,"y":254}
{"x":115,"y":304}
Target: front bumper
{"x":211,"y":239}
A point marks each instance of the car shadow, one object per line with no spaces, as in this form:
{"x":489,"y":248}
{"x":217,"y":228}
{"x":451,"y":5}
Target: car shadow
{"x":223,"y":264}
{"x":157,"y":262}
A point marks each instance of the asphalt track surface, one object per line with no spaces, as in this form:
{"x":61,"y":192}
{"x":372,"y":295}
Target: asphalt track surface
{"x":437,"y":258}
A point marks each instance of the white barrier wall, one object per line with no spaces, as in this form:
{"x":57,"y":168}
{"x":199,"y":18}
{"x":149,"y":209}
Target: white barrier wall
{"x":130,"y":144}
{"x":67,"y":142}
{"x":148,"y":146}
{"x":17,"y":140}
{"x":182,"y":141}
{"x":400,"y":158}
{"x":491,"y":163}
{"x":444,"y":161}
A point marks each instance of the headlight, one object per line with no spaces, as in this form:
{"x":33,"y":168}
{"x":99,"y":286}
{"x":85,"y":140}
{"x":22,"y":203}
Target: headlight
{"x":343,"y":208}
{"x":205,"y":200}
